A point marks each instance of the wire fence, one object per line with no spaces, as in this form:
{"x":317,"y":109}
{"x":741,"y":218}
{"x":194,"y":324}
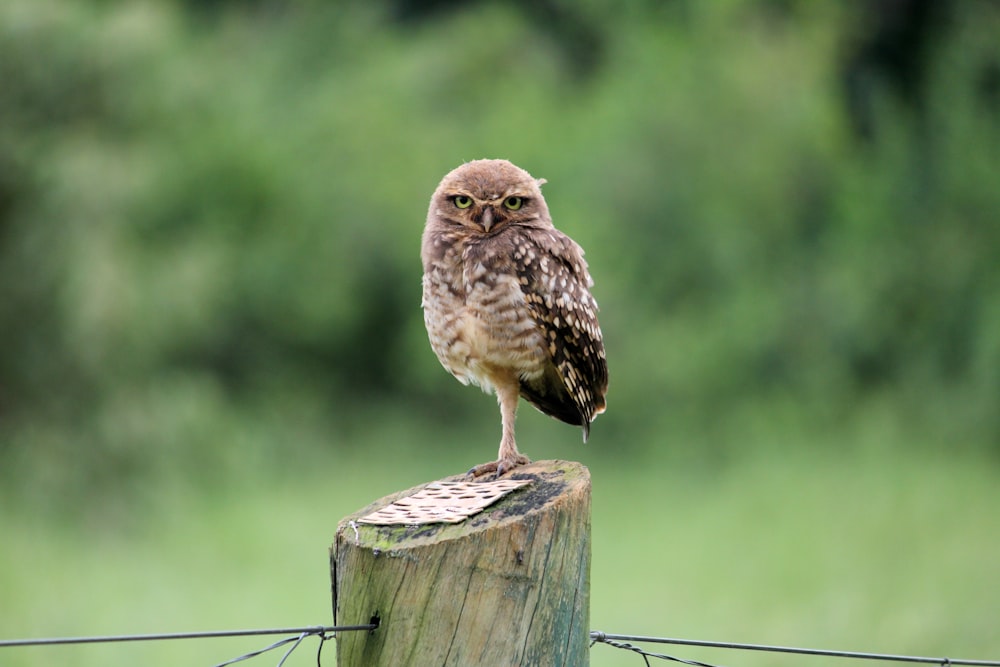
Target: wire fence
{"x":295,"y":636}
{"x":622,"y":642}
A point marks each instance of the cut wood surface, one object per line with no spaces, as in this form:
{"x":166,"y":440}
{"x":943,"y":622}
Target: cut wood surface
{"x":507,"y":586}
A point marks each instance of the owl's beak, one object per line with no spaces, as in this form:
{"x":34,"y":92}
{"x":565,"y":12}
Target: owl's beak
{"x":487,"y":219}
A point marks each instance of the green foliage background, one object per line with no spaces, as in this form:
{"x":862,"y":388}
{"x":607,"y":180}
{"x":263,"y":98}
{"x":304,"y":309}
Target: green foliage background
{"x":210,"y":216}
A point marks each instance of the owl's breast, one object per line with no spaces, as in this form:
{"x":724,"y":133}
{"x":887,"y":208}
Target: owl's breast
{"x":479,"y":324}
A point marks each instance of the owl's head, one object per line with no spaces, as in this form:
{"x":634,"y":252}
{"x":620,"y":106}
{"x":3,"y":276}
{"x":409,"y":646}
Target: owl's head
{"x":488,"y":195}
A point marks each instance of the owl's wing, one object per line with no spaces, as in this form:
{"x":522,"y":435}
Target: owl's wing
{"x":554,"y":278}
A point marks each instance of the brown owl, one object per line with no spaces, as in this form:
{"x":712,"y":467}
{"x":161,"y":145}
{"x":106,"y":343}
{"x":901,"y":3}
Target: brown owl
{"x":507,"y":302}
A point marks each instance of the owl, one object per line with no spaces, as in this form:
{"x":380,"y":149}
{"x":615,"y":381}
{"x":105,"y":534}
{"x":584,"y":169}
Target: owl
{"x":507,"y":303}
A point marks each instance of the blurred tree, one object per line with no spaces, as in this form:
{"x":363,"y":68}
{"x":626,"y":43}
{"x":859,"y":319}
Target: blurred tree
{"x":893,"y":46}
{"x":209,"y":227}
{"x":567,"y":24}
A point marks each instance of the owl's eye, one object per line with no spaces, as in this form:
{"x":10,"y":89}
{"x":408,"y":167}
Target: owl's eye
{"x":462,"y":201}
{"x":513,"y":203}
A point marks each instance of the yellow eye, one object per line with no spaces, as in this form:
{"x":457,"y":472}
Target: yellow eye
{"x":513,"y":203}
{"x":462,"y":201}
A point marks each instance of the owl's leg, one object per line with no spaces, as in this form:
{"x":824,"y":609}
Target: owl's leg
{"x":508,"y":458}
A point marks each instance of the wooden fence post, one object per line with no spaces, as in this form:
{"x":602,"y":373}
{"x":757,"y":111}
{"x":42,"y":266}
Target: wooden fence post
{"x":507,"y":586}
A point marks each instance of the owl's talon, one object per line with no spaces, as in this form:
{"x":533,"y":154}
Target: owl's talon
{"x":483,"y":469}
{"x":504,"y":466}
{"x":500,"y":467}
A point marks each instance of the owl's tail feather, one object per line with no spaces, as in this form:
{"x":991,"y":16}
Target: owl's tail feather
{"x":554,"y":401}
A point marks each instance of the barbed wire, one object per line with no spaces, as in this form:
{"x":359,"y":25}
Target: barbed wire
{"x":619,"y":641}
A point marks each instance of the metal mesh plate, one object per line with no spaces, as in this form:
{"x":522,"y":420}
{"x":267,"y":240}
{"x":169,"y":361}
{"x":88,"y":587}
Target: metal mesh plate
{"x":444,"y":502}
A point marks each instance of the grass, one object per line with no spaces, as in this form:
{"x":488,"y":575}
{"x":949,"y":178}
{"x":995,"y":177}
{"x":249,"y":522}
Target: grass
{"x":866,"y":548}
{"x":815,"y":551}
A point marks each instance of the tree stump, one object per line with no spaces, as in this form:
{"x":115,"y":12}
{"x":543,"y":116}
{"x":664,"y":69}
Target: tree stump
{"x":509,"y":585}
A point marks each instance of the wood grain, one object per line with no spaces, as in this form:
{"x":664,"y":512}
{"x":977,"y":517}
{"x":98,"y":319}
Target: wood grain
{"x":507,"y":586}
